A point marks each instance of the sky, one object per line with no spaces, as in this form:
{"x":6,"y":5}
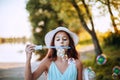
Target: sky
{"x":14,"y":19}
{"x":102,"y":23}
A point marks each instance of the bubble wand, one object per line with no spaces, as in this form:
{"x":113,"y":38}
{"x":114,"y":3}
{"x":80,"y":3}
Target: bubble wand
{"x":40,"y":47}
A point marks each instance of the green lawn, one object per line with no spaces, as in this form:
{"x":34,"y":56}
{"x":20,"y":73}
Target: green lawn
{"x":104,"y":72}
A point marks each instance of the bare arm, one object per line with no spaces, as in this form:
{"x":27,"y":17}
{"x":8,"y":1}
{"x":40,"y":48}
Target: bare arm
{"x":28,"y":74}
{"x":79,"y":68}
{"x":43,"y":66}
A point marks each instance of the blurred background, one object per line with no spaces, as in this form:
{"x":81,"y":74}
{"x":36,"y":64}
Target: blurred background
{"x":96,"y":22}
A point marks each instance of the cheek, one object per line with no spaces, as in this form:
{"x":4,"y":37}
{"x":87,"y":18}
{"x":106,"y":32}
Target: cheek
{"x":66,"y":43}
{"x":56,"y":43}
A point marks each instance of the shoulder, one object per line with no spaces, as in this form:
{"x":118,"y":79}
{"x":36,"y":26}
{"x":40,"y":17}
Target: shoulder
{"x":78,"y":64}
{"x":45,"y":63}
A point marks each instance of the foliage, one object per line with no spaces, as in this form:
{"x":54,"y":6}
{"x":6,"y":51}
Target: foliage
{"x":104,"y":72}
{"x":42,"y":18}
{"x":112,"y":7}
{"x":46,"y":15}
{"x":112,"y":39}
{"x":110,"y":47}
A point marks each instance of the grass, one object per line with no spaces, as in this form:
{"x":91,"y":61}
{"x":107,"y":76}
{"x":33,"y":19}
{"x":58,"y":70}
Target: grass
{"x":104,"y":72}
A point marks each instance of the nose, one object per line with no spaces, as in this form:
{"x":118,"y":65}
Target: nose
{"x":61,"y":41}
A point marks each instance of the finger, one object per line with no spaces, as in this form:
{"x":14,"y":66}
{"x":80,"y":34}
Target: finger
{"x":28,"y":45}
{"x":31,"y":47}
{"x":29,"y":50}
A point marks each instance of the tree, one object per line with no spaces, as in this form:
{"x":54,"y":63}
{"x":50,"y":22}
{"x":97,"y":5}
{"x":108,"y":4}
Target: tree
{"x":45,"y":15}
{"x":43,"y":18}
{"x":84,"y":24}
{"x":48,"y":14}
{"x":109,"y":4}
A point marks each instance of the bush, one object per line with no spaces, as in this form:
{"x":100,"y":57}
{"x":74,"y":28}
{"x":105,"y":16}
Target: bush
{"x":104,"y":72}
{"x":112,"y":39}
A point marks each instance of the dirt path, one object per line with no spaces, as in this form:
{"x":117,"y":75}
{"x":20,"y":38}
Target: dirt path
{"x":12,"y":71}
{"x":87,"y":52}
{"x":15,"y":71}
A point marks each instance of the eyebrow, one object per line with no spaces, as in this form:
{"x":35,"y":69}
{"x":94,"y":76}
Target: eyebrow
{"x":63,"y":37}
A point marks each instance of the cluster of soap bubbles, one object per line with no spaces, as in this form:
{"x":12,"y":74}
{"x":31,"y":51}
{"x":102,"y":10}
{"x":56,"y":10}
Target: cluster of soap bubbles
{"x":116,"y":73}
{"x":61,"y":52}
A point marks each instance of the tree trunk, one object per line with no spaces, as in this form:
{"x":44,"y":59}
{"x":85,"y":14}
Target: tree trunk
{"x":98,"y":50}
{"x":93,"y":34}
{"x":112,"y":17}
{"x":97,"y":47}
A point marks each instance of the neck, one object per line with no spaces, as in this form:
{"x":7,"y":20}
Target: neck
{"x":60,"y":59}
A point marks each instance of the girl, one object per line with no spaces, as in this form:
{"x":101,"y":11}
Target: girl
{"x":59,"y":63}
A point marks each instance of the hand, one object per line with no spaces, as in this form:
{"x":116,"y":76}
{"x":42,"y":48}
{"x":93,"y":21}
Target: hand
{"x":29,"y":50}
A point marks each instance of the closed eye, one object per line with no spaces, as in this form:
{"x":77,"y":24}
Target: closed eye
{"x":65,"y":39}
{"x":57,"y":39}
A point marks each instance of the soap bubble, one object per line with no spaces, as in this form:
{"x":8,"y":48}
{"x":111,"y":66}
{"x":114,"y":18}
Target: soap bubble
{"x":101,"y":59}
{"x":91,"y":73}
{"x":116,"y":70}
{"x":115,"y":76}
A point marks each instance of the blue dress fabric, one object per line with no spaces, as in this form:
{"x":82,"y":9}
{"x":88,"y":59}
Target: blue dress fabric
{"x":69,"y":74}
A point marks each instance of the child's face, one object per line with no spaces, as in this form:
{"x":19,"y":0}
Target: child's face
{"x":61,"y":39}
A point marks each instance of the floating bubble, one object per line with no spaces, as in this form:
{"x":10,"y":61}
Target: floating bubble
{"x":89,"y":69}
{"x":101,"y":59}
{"x":91,"y":73}
{"x":116,"y":70}
{"x":115,"y":76}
